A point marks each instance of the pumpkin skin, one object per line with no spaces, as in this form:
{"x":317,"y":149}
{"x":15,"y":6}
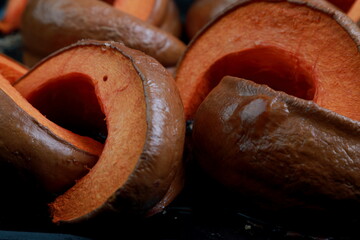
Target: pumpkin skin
{"x":282,"y":153}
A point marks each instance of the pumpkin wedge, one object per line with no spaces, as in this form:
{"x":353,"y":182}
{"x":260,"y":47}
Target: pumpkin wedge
{"x":144,"y":119}
{"x":48,"y":25}
{"x":11,"y":69}
{"x":280,"y":151}
{"x":305,"y":48}
{"x":30,"y":142}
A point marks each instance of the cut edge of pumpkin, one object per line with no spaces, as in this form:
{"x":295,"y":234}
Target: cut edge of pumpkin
{"x":117,"y":162}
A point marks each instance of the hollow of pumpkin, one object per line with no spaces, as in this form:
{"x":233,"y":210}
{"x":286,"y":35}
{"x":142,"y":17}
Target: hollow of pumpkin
{"x":144,"y":126}
{"x":54,"y":156}
{"x":304,"y":48}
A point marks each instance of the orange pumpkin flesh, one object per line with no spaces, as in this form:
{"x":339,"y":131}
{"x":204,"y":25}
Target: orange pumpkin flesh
{"x":307,"y":49}
{"x":144,"y":141}
{"x":120,"y":87}
{"x":10,"y":69}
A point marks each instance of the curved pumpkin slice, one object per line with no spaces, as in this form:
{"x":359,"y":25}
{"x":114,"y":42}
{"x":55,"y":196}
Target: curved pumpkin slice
{"x":29,"y":141}
{"x":145,"y":125}
{"x":305,"y":48}
{"x":278,"y":150}
{"x":10,"y":69}
{"x":48,"y":25}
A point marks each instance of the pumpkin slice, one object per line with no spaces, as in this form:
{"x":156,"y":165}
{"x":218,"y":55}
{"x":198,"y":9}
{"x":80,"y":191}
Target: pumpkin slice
{"x":279,"y":151}
{"x":55,"y":156}
{"x":11,"y":69}
{"x":144,"y":118}
{"x":48,"y":25}
{"x":305,"y":48}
